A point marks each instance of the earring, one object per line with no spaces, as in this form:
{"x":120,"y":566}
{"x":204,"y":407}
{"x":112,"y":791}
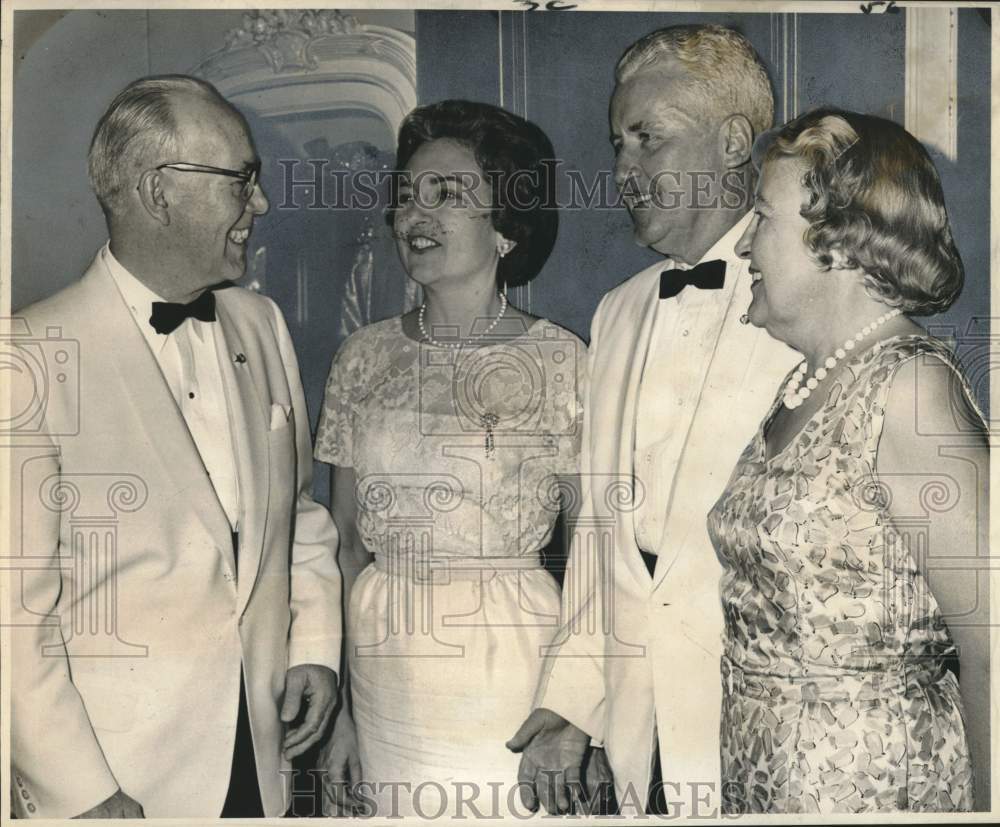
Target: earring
{"x":504,"y":248}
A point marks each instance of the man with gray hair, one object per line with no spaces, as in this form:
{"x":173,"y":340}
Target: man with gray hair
{"x":636,"y":665}
{"x":175,"y":667}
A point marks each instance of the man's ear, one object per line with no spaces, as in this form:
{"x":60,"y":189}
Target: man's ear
{"x":735,"y":140}
{"x":152,"y":197}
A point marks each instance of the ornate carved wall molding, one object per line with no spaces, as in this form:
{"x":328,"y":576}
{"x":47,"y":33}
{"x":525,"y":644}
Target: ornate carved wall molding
{"x":330,"y":59}
{"x":310,"y":74}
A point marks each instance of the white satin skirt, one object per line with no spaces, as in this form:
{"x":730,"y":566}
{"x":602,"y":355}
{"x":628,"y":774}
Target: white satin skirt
{"x":444,"y":668}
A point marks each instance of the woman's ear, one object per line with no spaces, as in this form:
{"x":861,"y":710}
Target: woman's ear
{"x":504,"y":245}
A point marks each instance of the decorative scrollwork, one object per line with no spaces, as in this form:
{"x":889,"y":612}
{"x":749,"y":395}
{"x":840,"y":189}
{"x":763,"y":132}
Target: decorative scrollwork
{"x":623,"y":494}
{"x":57,"y":494}
{"x":939,"y":495}
{"x":127,"y":494}
{"x":375,"y":495}
{"x":443,"y":494}
{"x":285,"y":36}
{"x":556,"y":493}
{"x":872,"y":495}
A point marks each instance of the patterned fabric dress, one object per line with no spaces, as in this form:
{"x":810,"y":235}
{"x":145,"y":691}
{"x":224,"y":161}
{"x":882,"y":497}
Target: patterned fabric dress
{"x":836,"y":697}
{"x":456,"y":455}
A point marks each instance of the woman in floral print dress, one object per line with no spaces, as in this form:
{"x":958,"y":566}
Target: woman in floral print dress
{"x":842,"y":612}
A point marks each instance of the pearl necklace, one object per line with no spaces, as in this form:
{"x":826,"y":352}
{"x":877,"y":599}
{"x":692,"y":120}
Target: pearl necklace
{"x":796,"y":393}
{"x":456,"y":345}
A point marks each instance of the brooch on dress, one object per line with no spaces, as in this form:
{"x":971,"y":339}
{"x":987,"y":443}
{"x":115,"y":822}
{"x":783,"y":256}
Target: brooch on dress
{"x":488,"y":420}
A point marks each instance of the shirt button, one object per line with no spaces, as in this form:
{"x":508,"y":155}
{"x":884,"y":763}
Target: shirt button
{"x":31,"y":808}
{"x":190,"y":394}
{"x":684,"y":332}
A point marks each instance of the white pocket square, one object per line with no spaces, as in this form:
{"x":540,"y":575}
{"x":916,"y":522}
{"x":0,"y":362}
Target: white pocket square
{"x":280,"y":415}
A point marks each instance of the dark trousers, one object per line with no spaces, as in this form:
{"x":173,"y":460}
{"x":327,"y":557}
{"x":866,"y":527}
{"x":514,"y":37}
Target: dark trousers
{"x":656,"y":800}
{"x":243,"y":797}
{"x":649,"y":560}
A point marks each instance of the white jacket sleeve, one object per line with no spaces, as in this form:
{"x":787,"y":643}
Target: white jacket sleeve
{"x":316,"y":634}
{"x":58,"y":767}
{"x":572,"y":679}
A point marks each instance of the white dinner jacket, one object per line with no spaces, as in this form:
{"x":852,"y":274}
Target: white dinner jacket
{"x":133,"y":574}
{"x":631,"y":644}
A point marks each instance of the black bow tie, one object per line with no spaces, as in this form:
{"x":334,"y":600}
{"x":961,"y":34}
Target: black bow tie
{"x":168,"y":316}
{"x":709,"y":275}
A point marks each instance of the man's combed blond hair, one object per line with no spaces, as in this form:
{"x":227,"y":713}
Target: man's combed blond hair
{"x":726,"y":75}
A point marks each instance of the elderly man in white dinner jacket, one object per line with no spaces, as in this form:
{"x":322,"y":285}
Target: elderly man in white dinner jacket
{"x":181,"y":604}
{"x":677,"y":385}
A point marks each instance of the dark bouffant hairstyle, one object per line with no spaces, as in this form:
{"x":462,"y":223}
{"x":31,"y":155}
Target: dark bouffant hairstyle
{"x":517,"y":159}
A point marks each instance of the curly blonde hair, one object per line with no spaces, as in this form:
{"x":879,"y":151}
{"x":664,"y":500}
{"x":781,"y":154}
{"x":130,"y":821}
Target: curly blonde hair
{"x":875,"y":196}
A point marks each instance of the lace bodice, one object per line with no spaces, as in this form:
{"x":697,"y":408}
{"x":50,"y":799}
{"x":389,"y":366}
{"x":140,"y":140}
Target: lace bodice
{"x":456,"y":453}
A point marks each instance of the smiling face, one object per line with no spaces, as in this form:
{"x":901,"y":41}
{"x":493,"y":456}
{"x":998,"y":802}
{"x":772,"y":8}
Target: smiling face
{"x":443,"y":225}
{"x":210,"y":221}
{"x":789,"y":289}
{"x":664,"y":158}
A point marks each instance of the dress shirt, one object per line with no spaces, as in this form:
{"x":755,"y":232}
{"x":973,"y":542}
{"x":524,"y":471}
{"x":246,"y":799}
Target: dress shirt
{"x":684,"y":337}
{"x":189,"y":361}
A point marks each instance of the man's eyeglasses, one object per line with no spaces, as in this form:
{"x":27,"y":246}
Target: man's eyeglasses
{"x":248,"y":176}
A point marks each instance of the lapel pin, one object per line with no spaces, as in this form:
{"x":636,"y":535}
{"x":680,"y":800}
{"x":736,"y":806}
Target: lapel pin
{"x":240,"y":359}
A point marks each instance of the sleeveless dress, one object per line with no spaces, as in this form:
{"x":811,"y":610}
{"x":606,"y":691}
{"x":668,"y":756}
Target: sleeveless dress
{"x":836,"y":695}
{"x":456,"y":455}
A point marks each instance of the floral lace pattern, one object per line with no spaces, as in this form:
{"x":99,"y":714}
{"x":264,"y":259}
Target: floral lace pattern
{"x":836,"y":695}
{"x":469,"y":440}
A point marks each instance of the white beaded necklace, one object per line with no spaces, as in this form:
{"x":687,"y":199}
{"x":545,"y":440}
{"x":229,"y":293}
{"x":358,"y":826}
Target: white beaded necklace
{"x":456,"y":345}
{"x":796,"y":393}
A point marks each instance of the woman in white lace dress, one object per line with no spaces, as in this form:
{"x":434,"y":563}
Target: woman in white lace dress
{"x":450,"y":429}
